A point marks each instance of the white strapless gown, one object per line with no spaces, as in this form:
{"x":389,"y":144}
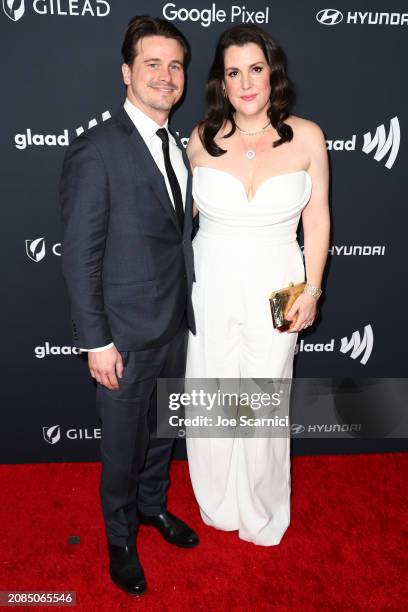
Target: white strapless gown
{"x":243,"y":251}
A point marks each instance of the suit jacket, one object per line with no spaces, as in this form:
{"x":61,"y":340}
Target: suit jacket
{"x":128,"y":267}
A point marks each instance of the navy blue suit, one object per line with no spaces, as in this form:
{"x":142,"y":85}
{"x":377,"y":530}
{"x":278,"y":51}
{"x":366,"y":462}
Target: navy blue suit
{"x":129,"y":270}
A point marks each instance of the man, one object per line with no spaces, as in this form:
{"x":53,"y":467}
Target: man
{"x":128,"y":265}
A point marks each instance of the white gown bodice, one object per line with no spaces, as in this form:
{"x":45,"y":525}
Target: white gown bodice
{"x":273,"y":212}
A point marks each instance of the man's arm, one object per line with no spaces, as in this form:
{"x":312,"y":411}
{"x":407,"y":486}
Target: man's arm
{"x":85,"y":214}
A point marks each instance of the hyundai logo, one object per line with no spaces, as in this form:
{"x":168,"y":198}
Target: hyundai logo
{"x":329,"y":17}
{"x":297,"y":429}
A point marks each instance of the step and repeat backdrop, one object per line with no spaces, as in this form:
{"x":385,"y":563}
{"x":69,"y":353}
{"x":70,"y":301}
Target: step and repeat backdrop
{"x":61,"y":76}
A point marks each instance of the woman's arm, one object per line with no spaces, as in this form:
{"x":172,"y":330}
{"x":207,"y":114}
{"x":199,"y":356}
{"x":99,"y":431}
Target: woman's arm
{"x":316,"y":215}
{"x":316,"y":228}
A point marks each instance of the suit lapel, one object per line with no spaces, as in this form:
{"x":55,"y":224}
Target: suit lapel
{"x":143,"y":158}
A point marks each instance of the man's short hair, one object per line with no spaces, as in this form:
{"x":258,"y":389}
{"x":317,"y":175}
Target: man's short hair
{"x":141,"y":26}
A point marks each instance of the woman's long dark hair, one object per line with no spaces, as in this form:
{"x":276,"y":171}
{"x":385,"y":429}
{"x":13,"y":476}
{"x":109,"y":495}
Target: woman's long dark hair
{"x":219,"y":108}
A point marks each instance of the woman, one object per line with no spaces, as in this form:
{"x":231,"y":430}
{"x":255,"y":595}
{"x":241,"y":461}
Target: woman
{"x":257,"y":169}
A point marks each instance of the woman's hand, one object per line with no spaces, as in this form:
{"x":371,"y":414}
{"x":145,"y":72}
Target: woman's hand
{"x":305,"y":306}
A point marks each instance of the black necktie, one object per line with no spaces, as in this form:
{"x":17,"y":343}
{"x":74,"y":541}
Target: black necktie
{"x":171,"y":175}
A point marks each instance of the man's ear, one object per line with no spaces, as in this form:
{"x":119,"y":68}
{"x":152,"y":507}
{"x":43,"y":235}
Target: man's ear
{"x":126,"y":74}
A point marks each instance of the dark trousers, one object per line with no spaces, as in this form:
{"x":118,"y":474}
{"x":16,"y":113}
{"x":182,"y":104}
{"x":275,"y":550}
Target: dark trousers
{"x":135,"y":462}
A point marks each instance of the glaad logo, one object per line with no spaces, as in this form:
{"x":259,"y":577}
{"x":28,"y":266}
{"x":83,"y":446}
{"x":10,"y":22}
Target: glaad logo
{"x":358,"y":345}
{"x":42,"y":351}
{"x":22,"y":141}
{"x":73,"y":8}
{"x":52,"y":434}
{"x":318,"y":347}
{"x":329,"y":17}
{"x":333,"y":17}
{"x":14,"y":9}
{"x":355,"y":344}
{"x":80,"y":130}
{"x":36,"y":250}
{"x":384,"y":144}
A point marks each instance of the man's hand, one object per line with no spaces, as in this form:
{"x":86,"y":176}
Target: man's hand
{"x":105,"y":366}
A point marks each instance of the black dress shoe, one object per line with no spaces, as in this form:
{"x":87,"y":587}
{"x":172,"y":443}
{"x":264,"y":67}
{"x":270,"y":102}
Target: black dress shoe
{"x":172,"y":529}
{"x":125,"y":569}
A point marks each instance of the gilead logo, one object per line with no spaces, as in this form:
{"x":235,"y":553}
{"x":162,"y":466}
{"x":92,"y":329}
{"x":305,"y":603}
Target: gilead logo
{"x":73,"y":8}
{"x":52,"y":434}
{"x":36,"y":249}
{"x":15,"y":9}
{"x":206,"y":17}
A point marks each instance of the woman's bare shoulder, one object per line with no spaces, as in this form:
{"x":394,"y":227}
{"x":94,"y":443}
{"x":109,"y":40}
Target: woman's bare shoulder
{"x":306,"y":130}
{"x":194,"y":146}
{"x":194,"y":139}
{"x":196,"y":151}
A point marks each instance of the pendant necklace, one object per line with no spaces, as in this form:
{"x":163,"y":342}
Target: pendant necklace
{"x":250,"y":153}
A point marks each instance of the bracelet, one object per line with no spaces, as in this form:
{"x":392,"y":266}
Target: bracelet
{"x":312,"y":290}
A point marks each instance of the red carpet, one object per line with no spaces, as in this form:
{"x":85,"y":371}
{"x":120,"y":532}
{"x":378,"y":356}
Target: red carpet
{"x":346,"y":548}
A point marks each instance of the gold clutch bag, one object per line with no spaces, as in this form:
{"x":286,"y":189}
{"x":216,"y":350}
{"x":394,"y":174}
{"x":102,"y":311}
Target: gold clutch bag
{"x":281,"y":302}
